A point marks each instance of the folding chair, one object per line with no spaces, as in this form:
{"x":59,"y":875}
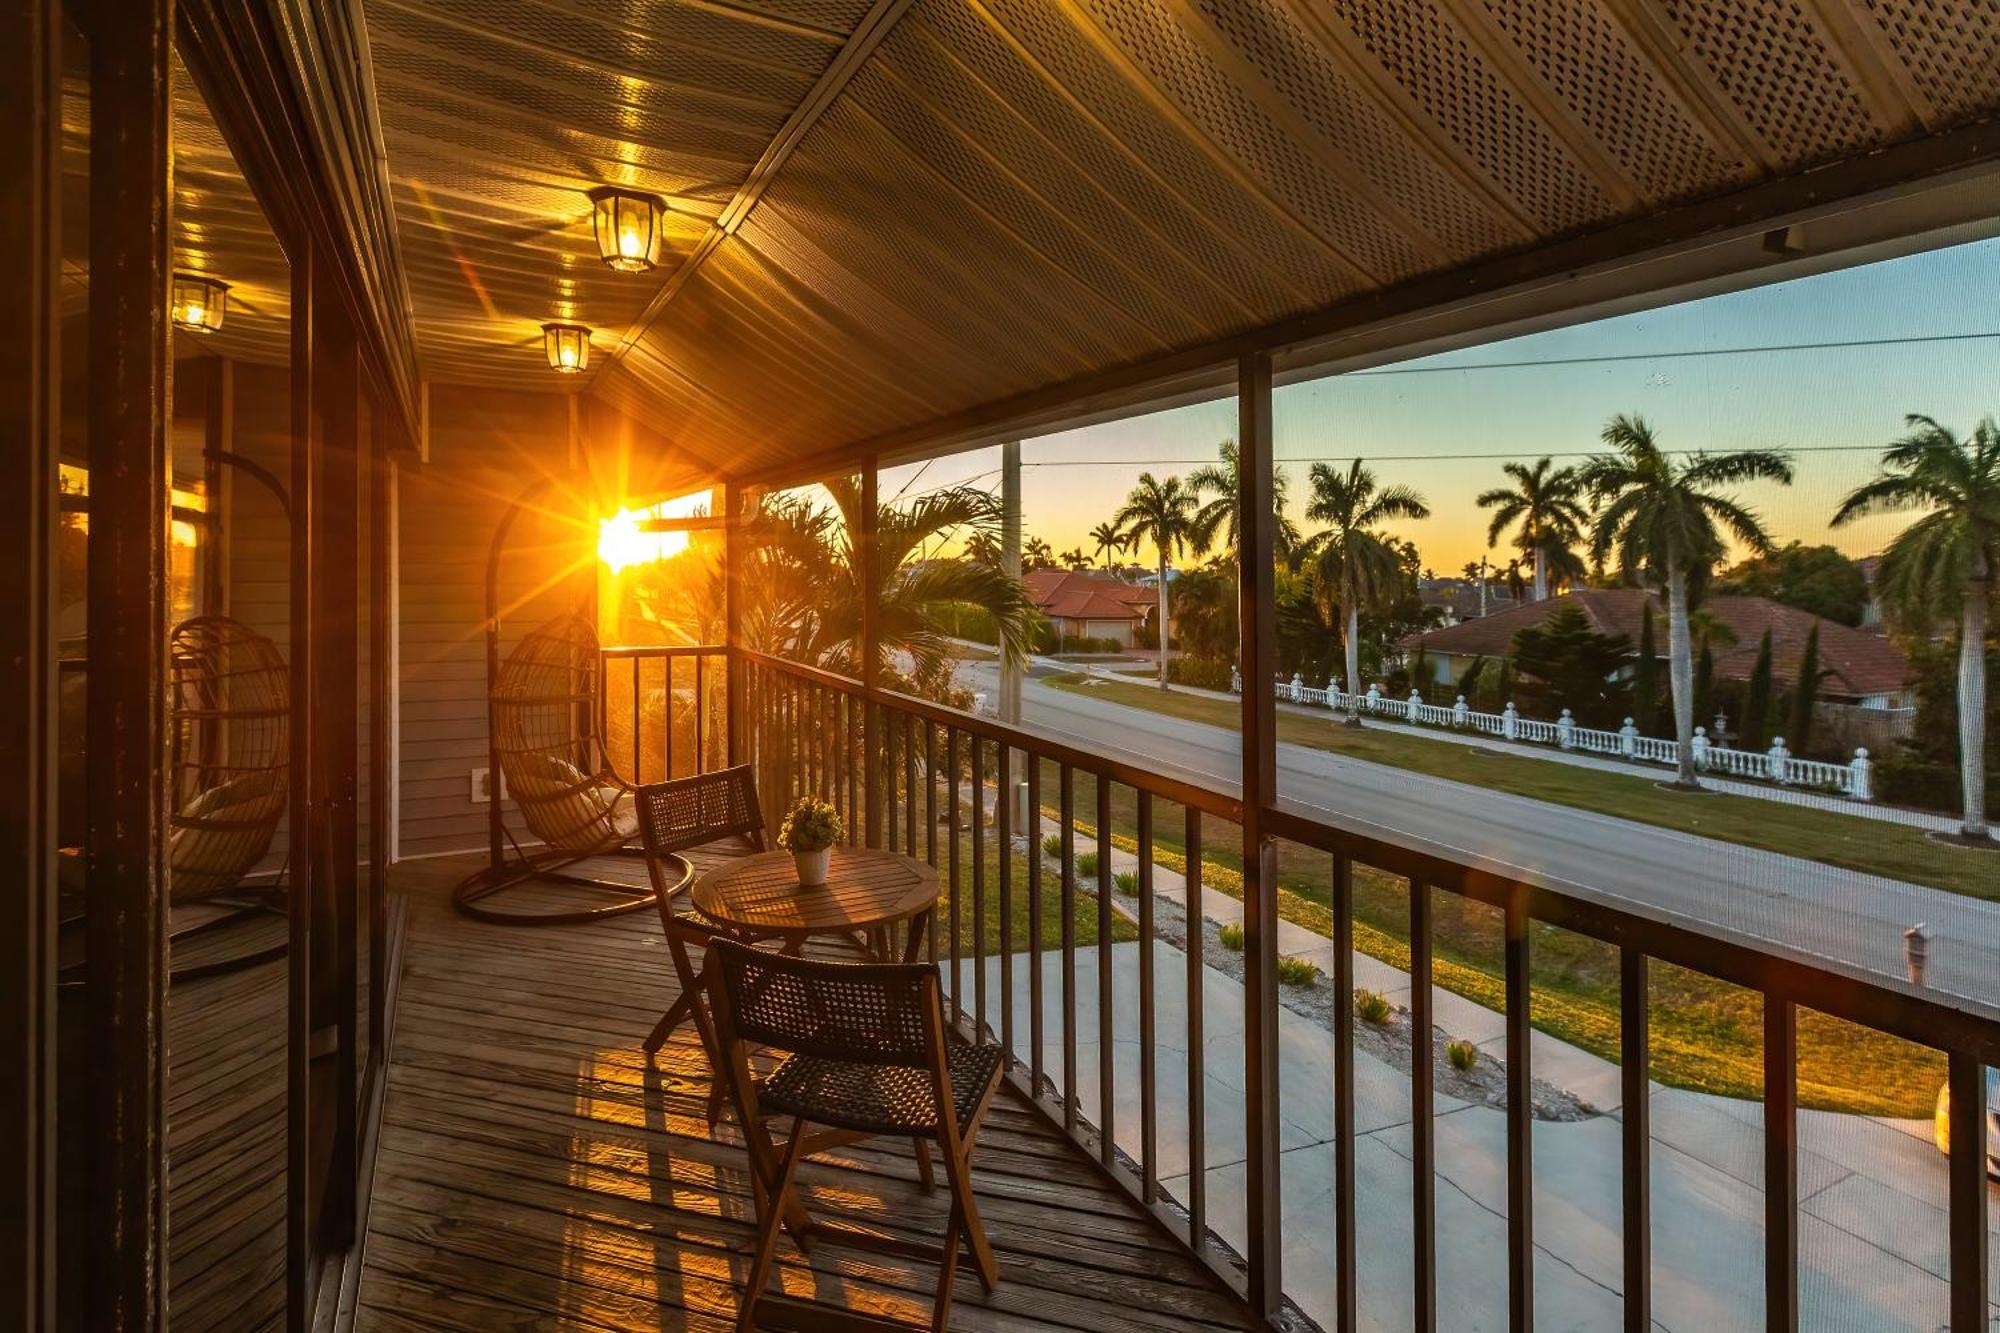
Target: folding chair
{"x":868,"y":1057}
{"x":673,"y":817}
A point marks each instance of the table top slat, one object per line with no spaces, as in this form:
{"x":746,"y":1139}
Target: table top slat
{"x":866,"y":888}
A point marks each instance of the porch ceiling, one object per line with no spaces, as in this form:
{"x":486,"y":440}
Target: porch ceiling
{"x":888,"y":213}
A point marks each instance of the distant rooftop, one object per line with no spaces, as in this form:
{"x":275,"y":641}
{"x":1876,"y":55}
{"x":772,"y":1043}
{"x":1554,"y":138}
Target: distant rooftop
{"x":1072,"y":595}
{"x":1861,"y":663}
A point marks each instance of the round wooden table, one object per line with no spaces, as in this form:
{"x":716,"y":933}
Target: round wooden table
{"x":867,"y":894}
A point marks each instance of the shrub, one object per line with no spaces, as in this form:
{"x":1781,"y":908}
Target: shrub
{"x":1086,"y":866}
{"x":1369,"y":1006}
{"x":1052,"y":845}
{"x":1232,"y":938}
{"x":1461,"y":1054}
{"x":811,"y":825}
{"x":1203,"y":673}
{"x":1127,"y":881}
{"x":1297,"y":971}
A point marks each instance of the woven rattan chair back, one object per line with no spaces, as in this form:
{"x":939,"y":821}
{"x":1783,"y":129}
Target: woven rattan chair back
{"x":545,"y":733}
{"x":687,"y":812}
{"x":230,"y":699}
{"x":860,"y":1013}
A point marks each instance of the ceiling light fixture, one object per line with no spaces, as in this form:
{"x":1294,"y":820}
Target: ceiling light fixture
{"x":568,"y":346}
{"x":628,"y":227}
{"x":198,"y":302}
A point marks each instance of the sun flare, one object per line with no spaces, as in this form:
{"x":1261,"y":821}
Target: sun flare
{"x":623,"y":539}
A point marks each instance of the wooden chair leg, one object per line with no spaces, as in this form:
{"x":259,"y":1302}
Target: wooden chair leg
{"x":764,"y":1159}
{"x":924,"y":1172}
{"x":772,"y":1218}
{"x":958,"y":1169}
{"x":679,"y":1012}
{"x":947,"y":1275}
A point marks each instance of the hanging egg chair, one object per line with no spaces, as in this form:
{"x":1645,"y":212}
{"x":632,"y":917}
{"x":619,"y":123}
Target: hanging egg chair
{"x":230,"y":704}
{"x":543,"y":710}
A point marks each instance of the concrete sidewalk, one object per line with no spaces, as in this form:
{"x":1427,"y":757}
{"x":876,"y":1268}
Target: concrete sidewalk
{"x":1874,"y":1195}
{"x":1873,"y":1215}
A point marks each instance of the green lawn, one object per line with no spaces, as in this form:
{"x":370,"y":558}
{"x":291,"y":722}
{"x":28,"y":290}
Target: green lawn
{"x":988,"y":900}
{"x":1873,"y":846}
{"x":1706,"y":1034}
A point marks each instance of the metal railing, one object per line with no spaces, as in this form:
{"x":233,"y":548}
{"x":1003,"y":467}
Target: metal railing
{"x":663,"y":711}
{"x":900,"y":769}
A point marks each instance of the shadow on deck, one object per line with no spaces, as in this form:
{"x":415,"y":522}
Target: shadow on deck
{"x":538,"y":1171}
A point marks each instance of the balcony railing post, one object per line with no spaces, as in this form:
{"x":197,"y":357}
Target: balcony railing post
{"x":1256,"y":560}
{"x":1781,"y":1163}
{"x":1968,"y":1194}
{"x":1635,"y":1110}
{"x":1520,"y":1122}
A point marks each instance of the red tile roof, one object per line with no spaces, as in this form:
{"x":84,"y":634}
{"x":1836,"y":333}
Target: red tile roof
{"x":1068,"y":595}
{"x":1862,"y":663}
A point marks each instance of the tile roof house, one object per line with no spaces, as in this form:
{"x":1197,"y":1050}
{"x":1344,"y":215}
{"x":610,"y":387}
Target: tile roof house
{"x":1864,"y":667}
{"x":1086,"y":603}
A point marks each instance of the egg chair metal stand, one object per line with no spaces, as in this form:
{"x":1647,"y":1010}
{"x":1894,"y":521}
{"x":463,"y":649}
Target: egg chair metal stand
{"x":546,"y":756}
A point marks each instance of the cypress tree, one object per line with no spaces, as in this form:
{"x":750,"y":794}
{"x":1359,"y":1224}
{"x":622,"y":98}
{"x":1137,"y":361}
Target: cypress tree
{"x":1468,"y":682}
{"x":1804,"y":694}
{"x":1757,"y":702}
{"x":1646,"y":680}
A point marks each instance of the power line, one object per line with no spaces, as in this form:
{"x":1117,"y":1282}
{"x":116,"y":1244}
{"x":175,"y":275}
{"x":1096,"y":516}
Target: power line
{"x":1425,"y":458}
{"x":1672,"y":356}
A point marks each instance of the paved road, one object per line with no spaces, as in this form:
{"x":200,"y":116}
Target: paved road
{"x":1839,"y":914}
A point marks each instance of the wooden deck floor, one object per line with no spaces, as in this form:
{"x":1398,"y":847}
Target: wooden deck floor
{"x":537,"y":1171}
{"x":226,"y":1134}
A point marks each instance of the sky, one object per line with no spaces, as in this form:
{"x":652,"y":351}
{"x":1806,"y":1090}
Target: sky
{"x":1842,"y":357}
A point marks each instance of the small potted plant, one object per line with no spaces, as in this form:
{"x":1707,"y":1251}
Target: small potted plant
{"x":810,"y":829}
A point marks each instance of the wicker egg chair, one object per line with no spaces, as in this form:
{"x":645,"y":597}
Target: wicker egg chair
{"x":230,"y":702}
{"x":543,"y":712}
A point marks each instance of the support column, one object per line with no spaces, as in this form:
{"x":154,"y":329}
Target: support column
{"x":1255,"y":561}
{"x":302,"y":1175}
{"x":125,"y":735}
{"x":729,"y":497}
{"x":1010,"y":564}
{"x":871,"y":665}
{"x":29,"y":407}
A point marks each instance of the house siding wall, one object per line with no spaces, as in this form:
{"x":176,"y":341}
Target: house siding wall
{"x":486,"y":446}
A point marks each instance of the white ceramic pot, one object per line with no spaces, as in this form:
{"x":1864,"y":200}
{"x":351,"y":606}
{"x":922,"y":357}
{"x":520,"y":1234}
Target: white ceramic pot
{"x":813,"y":866}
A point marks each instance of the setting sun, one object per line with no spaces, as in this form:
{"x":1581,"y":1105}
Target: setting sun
{"x":623,"y":539}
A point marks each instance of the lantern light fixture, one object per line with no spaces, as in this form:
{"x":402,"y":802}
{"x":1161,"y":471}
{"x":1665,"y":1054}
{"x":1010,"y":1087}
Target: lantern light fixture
{"x":198,"y":302}
{"x":568,"y":346}
{"x":628,"y":224}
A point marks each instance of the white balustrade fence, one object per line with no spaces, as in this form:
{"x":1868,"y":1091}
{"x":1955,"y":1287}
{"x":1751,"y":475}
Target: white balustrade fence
{"x":1778,"y":764}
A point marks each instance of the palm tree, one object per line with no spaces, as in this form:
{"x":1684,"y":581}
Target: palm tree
{"x":1037,"y":554}
{"x":1108,"y":540}
{"x":1546,"y":502}
{"x":1356,"y":566}
{"x":1075,"y":560}
{"x":1161,"y":512}
{"x":983,"y":547}
{"x":1215,"y":521}
{"x":1943,"y":564}
{"x":805,"y":596}
{"x":1664,"y":521}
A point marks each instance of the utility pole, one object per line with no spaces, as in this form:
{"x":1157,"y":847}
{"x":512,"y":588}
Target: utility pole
{"x":1482,"y":587}
{"x":1010,"y":565}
